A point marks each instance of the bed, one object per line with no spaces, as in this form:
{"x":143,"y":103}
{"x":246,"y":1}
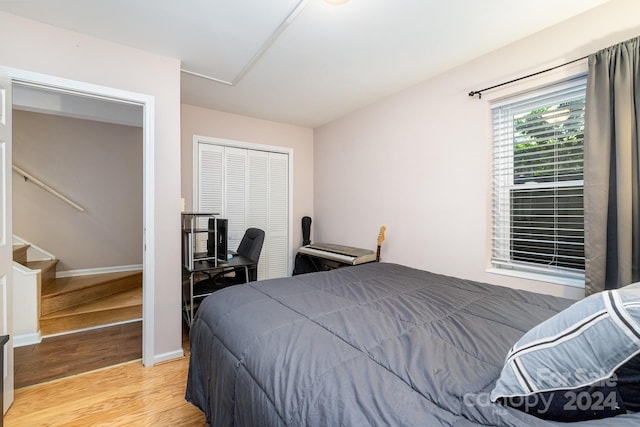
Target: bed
{"x":374,"y":344}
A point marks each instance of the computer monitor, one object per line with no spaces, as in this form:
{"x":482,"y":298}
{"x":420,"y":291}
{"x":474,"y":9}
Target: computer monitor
{"x":217,"y":244}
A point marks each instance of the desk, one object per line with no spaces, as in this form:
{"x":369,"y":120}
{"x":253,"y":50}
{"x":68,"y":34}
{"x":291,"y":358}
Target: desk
{"x":306,"y":263}
{"x":210,"y":268}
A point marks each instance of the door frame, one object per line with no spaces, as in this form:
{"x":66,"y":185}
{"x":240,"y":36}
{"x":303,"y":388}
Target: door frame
{"x":148,"y":123}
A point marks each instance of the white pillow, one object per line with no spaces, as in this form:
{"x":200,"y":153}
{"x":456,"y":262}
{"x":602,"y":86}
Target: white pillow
{"x":581,"y":346}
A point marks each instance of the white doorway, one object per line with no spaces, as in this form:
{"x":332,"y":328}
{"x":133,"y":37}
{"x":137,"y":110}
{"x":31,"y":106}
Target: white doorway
{"x":125,"y":98}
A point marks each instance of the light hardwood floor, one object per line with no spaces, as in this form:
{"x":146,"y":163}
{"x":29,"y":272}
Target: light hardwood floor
{"x":124,"y":395}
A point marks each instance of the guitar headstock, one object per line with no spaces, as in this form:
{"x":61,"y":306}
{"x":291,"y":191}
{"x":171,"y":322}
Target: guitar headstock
{"x":381,"y":235}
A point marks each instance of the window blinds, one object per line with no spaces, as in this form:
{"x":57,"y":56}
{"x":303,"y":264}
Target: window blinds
{"x":538,"y":213}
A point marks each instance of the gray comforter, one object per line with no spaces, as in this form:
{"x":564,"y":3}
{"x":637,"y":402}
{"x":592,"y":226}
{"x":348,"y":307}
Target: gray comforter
{"x":376,"y":344}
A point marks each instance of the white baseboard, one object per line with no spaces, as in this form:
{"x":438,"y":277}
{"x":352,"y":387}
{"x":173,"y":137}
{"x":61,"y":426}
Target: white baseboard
{"x":27,"y":339}
{"x":99,"y":270}
{"x":164,"y":357}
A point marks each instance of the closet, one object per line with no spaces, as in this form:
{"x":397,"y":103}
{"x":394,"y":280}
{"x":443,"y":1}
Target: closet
{"x":250,"y":188}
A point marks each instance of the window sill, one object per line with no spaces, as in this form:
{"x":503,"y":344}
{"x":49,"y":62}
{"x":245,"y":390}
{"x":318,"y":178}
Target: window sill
{"x":558,"y":280}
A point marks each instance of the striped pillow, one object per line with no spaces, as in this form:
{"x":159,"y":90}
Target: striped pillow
{"x":581,"y":346}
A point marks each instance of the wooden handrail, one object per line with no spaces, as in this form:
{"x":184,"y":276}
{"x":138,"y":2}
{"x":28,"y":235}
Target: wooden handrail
{"x":39,"y":183}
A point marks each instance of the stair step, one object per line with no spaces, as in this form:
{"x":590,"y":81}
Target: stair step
{"x":68,"y":292}
{"x":20,"y":253}
{"x":119,"y":307}
{"x":48,"y":267}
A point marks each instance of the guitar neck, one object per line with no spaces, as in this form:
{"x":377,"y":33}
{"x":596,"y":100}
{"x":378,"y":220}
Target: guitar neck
{"x":380,"y":240}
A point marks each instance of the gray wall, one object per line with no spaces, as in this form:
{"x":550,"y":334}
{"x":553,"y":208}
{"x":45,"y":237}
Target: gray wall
{"x":99,"y":166}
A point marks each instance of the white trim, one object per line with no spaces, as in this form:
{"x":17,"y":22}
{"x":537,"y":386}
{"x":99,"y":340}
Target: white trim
{"x":171,"y":355}
{"x":557,"y":280}
{"x":149,"y":233}
{"x":239,"y":144}
{"x":99,"y":270}
{"x":148,"y":104}
{"x":27,"y":339}
{"x":76,"y":87}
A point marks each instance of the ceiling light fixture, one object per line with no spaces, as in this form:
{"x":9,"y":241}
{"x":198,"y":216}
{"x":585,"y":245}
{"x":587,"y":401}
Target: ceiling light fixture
{"x":336,"y":2}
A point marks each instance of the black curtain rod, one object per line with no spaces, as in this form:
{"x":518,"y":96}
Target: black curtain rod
{"x":479,"y":92}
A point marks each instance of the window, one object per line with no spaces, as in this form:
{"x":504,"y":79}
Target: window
{"x":538,"y":213}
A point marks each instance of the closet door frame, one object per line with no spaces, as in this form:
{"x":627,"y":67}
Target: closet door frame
{"x":199,"y":139}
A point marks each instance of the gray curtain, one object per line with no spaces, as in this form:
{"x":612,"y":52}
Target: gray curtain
{"x":611,"y":175}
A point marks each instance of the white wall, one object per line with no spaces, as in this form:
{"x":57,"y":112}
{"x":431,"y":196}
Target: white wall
{"x":32,"y":46}
{"x":419,"y":162}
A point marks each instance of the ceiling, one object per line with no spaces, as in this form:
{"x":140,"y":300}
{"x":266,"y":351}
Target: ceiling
{"x":303,"y":62}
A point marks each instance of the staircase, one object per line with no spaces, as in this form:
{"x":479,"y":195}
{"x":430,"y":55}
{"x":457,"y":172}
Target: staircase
{"x":72,"y":303}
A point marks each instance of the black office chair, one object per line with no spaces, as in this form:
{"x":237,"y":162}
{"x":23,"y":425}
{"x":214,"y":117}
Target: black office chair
{"x":241,"y":268}
{"x":251,"y":244}
{"x":244,"y":264}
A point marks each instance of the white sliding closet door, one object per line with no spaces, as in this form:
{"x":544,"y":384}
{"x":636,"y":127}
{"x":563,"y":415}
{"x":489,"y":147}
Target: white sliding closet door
{"x":258,"y":204}
{"x":250,"y":188}
{"x":235,"y":184}
{"x":209,"y":186}
{"x":278,"y":224}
